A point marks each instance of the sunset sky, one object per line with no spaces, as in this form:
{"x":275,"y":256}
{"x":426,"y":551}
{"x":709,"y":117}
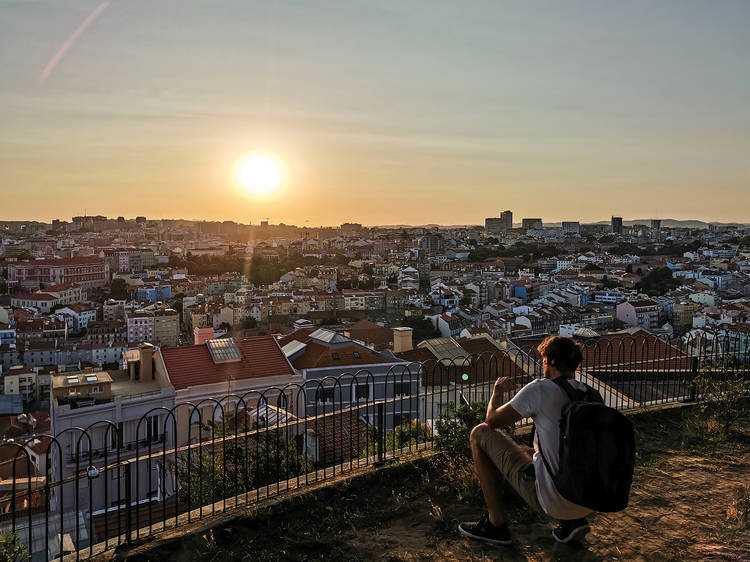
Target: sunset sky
{"x":382,"y":112}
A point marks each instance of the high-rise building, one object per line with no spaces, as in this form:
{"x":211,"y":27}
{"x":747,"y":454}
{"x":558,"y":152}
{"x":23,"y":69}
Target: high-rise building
{"x":655,"y":224}
{"x":493,"y":225}
{"x":531,"y":224}
{"x":617,"y":225}
{"x":507,"y":218}
{"x":571,"y":227}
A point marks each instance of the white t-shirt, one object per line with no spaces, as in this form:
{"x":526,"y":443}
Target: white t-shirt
{"x":542,"y":400}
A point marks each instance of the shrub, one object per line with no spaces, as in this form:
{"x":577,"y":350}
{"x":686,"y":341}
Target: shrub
{"x":455,"y":425}
{"x":723,"y":394}
{"x":12,"y":550}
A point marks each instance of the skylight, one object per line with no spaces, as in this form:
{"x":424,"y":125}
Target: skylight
{"x":92,"y":378}
{"x":71,"y":380}
{"x":223,"y":350}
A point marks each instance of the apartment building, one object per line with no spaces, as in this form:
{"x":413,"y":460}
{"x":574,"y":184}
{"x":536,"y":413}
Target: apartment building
{"x":166,"y":326}
{"x":643,"y":313}
{"x":106,"y":331}
{"x":140,"y":327}
{"x":86,"y":272}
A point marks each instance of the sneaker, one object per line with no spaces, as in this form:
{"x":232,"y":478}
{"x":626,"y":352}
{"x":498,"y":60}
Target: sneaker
{"x":483,"y":530}
{"x":571,"y":530}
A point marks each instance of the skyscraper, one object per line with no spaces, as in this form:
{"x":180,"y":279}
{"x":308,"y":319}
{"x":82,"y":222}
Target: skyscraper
{"x":617,"y":225}
{"x":507,"y":219}
{"x":531,"y":224}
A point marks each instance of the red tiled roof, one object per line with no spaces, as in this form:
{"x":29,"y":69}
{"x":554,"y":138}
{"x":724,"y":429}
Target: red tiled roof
{"x":318,"y":355}
{"x":417,"y":355}
{"x":35,"y":297}
{"x":60,"y":287}
{"x":477,"y":346}
{"x":642,"y":303}
{"x":193,"y":366}
{"x":301,"y":335}
{"x":64,"y":261}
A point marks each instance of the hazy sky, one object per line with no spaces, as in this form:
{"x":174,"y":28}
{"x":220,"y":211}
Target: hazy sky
{"x":383,"y":112}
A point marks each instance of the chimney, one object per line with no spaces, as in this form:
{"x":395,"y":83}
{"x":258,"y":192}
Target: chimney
{"x":202,"y":335}
{"x":402,"y":340}
{"x":146,"y":353}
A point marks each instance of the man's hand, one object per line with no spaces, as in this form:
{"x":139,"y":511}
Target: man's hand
{"x":503,"y":384}
{"x":529,"y":451}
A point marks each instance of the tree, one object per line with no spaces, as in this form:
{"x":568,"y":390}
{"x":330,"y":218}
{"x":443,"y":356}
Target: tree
{"x":422,"y":329}
{"x":118,"y":289}
{"x":657,"y":281}
{"x":249,"y":323}
{"x":629,"y":268}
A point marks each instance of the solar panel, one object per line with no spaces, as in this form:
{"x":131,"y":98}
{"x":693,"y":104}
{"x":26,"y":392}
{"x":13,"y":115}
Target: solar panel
{"x":223,"y":350}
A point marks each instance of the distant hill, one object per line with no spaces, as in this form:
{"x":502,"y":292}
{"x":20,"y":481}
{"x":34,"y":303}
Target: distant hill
{"x":666,"y":223}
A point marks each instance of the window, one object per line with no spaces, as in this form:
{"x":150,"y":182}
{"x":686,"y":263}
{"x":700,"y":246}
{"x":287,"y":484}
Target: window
{"x":363,"y":391}
{"x":356,"y":354}
{"x":402,"y":388}
{"x":152,"y":428}
{"x":324,"y":394}
{"x":335,"y":355}
{"x":195,"y":416}
{"x":96,"y":389}
{"x":83,"y":445}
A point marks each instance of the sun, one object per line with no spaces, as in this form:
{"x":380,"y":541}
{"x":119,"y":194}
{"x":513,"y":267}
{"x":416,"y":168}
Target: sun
{"x":259,"y":173}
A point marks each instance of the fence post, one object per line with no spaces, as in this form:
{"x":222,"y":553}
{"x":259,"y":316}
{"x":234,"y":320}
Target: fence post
{"x":128,"y":503}
{"x":693,"y":382}
{"x":381,"y":432}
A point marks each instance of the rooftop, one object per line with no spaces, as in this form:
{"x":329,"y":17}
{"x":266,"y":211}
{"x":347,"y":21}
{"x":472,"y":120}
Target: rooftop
{"x":193,"y":365}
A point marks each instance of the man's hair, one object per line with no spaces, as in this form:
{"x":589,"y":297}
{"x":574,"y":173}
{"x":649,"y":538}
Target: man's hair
{"x":561,"y":353}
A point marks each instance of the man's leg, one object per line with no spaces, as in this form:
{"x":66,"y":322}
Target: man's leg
{"x":490,"y":479}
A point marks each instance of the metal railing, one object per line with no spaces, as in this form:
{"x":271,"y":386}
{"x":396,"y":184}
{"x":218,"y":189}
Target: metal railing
{"x":209,"y":457}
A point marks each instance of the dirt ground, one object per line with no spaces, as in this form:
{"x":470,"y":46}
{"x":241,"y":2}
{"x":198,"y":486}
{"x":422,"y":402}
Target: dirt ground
{"x":690,"y":501}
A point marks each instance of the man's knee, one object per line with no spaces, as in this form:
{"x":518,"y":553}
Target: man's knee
{"x":478,"y":433}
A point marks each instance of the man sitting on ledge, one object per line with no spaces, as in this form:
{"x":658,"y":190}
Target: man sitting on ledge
{"x":498,"y":458}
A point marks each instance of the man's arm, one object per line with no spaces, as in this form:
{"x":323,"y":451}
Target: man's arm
{"x":501,"y":415}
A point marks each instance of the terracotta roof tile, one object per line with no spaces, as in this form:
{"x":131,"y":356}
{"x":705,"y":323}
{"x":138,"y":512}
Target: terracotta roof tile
{"x":192,"y":365}
{"x":317,"y":355}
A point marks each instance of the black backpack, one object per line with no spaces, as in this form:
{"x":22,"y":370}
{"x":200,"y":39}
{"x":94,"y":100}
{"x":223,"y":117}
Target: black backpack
{"x":597,"y":452}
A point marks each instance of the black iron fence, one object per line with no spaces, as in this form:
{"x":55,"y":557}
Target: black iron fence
{"x":88,"y":489}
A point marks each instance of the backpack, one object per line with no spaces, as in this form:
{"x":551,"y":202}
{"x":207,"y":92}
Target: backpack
{"x":597,"y":452}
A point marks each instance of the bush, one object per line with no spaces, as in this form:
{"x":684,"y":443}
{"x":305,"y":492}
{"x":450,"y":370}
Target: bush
{"x":12,"y":550}
{"x":455,"y":425}
{"x":723,"y":395}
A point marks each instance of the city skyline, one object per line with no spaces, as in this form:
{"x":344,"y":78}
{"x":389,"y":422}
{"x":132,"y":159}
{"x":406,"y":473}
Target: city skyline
{"x":141,"y":109}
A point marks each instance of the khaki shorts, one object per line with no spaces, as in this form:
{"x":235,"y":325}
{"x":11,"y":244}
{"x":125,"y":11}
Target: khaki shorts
{"x":512,"y":462}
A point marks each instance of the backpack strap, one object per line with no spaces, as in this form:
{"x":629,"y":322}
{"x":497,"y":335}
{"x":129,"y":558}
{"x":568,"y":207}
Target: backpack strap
{"x":572,"y":393}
